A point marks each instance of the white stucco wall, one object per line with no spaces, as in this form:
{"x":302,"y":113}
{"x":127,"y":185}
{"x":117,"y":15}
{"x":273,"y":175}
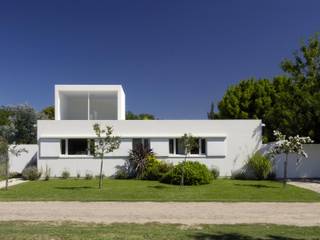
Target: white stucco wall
{"x":305,"y":168}
{"x":229,"y":142}
{"x":18,"y":163}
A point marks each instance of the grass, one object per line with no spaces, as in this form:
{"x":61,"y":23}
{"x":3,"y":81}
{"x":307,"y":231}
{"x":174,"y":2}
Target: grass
{"x":138,"y":190}
{"x":78,"y":231}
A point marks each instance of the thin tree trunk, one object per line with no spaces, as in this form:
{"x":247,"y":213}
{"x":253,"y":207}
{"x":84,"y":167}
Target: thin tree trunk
{"x":101,"y":176}
{"x":182,"y":175}
{"x":7,"y":169}
{"x":285,"y":171}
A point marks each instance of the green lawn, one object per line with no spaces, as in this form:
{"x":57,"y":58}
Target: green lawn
{"x":137,"y":190}
{"x":77,"y":231}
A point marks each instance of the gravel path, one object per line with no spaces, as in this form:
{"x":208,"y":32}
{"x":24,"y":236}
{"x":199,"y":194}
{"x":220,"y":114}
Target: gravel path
{"x":299,"y":214}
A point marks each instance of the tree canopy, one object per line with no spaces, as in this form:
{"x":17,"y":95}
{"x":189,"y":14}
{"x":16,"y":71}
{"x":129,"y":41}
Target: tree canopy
{"x":142,"y":116}
{"x":289,"y":103}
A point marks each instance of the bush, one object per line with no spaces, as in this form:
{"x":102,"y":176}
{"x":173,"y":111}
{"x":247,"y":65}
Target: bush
{"x":215,"y":173}
{"x":155,"y":169}
{"x":14,"y":175}
{"x":138,"y":161}
{"x":239,"y":174}
{"x":195,"y":173}
{"x":65,"y":174}
{"x":31,"y":173}
{"x":121,"y":172}
{"x":260,"y":166}
{"x":88,"y":176}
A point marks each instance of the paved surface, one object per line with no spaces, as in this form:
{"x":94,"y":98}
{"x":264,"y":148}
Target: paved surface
{"x":313,"y":185}
{"x":12,"y":182}
{"x":300,"y":214}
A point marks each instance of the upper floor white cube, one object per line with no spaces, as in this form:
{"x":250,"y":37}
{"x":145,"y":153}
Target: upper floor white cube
{"x":89,"y":102}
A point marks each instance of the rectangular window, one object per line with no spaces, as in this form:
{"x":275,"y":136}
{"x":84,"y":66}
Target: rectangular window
{"x":203,"y":146}
{"x":62,"y":146}
{"x":77,"y":147}
{"x":138,"y":142}
{"x":180,"y":150}
{"x":171,"y":146}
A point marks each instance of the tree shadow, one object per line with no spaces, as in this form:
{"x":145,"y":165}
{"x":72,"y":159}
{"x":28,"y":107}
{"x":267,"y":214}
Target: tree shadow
{"x":158,"y":187}
{"x":74,"y":188}
{"x":254,"y":185}
{"x":237,"y":236}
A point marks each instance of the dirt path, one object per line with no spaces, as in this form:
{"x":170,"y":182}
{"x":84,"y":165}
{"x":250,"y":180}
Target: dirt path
{"x":300,"y":214}
{"x":313,"y":185}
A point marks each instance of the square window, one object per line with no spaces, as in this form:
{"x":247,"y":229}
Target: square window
{"x":77,"y":147}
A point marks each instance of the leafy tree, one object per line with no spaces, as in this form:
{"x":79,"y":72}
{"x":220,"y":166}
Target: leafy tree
{"x":142,"y":116}
{"x":288,"y":145}
{"x":189,"y":143}
{"x":21,"y":124}
{"x":48,"y":112}
{"x":106,"y":143}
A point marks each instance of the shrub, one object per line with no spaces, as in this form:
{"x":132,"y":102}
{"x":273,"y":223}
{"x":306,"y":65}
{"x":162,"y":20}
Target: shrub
{"x":65,"y":174}
{"x":14,"y":175}
{"x":195,"y":173}
{"x":78,"y":176}
{"x":121,"y":172}
{"x":138,"y":161}
{"x":155,"y":169}
{"x":47,"y":174}
{"x":215,"y":172}
{"x":88,"y":176}
{"x":31,"y":173}
{"x":239,"y":174}
{"x":260,"y":166}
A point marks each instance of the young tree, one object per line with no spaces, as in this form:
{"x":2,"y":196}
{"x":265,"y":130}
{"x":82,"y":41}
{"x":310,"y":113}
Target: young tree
{"x":189,"y":143}
{"x":106,"y":143}
{"x":5,"y":149}
{"x":289,"y":145}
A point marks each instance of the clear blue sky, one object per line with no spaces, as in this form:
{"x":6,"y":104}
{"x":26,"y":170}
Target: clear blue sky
{"x":172,"y":57}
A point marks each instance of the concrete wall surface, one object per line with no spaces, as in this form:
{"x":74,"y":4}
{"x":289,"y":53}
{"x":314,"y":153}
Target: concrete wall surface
{"x":298,"y":168}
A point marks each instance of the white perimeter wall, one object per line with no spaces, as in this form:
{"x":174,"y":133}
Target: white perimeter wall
{"x":229,"y":142}
{"x":305,"y":168}
{"x":18,"y":163}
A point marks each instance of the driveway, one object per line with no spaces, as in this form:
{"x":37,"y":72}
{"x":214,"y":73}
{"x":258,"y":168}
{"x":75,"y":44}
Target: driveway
{"x":313,"y":185}
{"x":299,"y":214}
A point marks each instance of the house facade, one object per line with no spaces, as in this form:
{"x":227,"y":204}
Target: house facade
{"x":64,"y":143}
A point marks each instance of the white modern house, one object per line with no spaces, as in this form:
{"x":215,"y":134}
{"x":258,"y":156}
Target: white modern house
{"x":64,"y":143}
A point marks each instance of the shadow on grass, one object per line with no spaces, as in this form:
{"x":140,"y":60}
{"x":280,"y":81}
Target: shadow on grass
{"x":74,"y":188}
{"x":158,"y":187}
{"x":254,"y":185}
{"x":236,"y":236}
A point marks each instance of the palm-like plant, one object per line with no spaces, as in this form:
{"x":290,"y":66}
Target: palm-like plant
{"x":138,"y":160}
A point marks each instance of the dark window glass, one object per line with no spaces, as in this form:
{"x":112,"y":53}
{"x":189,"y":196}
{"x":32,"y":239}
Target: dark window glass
{"x":63,"y":146}
{"x":77,"y":146}
{"x":92,"y":146}
{"x":136,"y":143}
{"x":179,"y":146}
{"x":203,"y":146}
{"x":171,"y":146}
{"x":146,"y":143}
{"x":195,"y":149}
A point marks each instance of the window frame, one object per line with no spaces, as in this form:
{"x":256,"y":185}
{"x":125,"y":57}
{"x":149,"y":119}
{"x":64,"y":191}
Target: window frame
{"x":199,"y":154}
{"x":66,"y":142}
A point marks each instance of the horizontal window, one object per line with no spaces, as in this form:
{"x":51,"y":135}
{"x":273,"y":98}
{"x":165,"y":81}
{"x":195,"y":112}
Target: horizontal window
{"x":81,"y":146}
{"x":176,"y":146}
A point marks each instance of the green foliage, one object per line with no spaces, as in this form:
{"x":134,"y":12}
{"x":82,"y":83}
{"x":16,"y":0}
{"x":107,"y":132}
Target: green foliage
{"x":260,"y":165}
{"x":48,"y":113}
{"x":20,"y":126}
{"x":65,"y":174}
{"x":31,"y":173}
{"x":155,"y":169}
{"x":88,"y":176}
{"x":138,"y":161}
{"x":195,"y":173}
{"x":142,"y":116}
{"x":215,"y":172}
{"x":289,"y":103}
